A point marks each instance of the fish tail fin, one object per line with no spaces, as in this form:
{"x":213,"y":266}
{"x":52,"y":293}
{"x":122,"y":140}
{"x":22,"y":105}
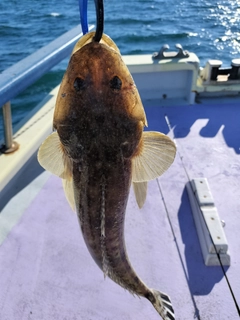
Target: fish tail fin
{"x":162,"y":304}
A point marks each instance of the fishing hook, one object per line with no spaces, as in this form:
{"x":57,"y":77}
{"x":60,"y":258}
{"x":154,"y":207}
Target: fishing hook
{"x":100,"y":20}
{"x":99,"y":16}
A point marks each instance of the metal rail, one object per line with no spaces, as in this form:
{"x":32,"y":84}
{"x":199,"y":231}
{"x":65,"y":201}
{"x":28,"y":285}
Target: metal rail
{"x":20,"y":76}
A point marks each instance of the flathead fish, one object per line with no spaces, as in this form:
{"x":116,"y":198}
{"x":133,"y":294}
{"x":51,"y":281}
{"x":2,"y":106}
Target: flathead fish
{"x":99,"y":148}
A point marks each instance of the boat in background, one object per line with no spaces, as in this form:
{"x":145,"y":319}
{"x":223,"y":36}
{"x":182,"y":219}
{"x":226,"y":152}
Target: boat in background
{"x":184,"y":241}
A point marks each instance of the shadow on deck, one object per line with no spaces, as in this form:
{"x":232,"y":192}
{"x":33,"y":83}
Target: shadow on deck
{"x":25,"y":176}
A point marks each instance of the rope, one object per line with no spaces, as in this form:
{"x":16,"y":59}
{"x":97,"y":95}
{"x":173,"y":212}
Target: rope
{"x":83,"y":15}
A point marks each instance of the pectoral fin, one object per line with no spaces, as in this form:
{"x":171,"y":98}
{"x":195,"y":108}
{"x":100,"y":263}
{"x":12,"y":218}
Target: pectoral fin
{"x":140,"y":190}
{"x":52,"y":157}
{"x":156,"y":154}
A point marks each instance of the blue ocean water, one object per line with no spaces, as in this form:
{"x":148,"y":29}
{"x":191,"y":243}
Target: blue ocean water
{"x":210,"y":28}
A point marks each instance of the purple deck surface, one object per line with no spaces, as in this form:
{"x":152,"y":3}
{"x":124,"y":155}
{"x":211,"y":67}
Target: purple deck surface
{"x":47,"y":273}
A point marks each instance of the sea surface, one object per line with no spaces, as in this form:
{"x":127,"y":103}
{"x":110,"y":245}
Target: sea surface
{"x":211,"y":29}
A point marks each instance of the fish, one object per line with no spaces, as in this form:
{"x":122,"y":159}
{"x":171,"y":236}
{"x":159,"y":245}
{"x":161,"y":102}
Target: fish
{"x":99,"y":149}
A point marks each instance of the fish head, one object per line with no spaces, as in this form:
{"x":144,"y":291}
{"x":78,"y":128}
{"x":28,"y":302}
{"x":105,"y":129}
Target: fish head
{"x":99,"y":113}
{"x":98,"y":88}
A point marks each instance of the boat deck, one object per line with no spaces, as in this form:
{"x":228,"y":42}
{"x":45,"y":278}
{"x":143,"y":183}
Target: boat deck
{"x":47,"y":273}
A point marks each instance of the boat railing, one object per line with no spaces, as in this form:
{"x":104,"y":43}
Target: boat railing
{"x":24,"y":73}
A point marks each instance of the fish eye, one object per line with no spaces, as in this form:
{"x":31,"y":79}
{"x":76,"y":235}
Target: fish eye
{"x":116,"y":83}
{"x":79,"y":84}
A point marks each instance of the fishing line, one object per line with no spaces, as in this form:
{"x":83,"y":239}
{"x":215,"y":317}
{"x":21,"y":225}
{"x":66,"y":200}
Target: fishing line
{"x":83,"y":15}
{"x":100,"y":20}
{"x":99,"y":17}
{"x":197,"y":313}
{"x":218,"y":254}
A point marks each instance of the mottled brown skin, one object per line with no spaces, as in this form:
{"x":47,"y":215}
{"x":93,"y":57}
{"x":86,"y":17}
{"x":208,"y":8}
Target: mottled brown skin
{"x":100,"y":125}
